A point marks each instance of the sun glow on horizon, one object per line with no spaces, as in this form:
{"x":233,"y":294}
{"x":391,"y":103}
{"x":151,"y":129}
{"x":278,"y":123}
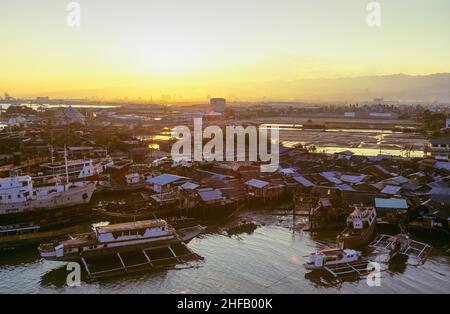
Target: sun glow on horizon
{"x":194,"y":48}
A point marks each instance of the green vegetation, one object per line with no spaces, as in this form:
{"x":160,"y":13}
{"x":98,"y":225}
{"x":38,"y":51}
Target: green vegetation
{"x":20,"y":110}
{"x":432,"y":123}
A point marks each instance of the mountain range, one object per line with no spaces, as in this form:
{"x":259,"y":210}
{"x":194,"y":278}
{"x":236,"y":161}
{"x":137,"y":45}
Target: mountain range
{"x":398,"y":87}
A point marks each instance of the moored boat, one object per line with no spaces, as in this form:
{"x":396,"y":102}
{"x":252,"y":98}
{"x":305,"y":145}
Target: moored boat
{"x":331,"y":257}
{"x":16,"y":236}
{"x":20,"y":201}
{"x":18,"y":196}
{"x":139,"y":235}
{"x":122,"y":248}
{"x":360,"y":228}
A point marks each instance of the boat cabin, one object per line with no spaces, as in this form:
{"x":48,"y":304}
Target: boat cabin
{"x":15,"y":189}
{"x":133,"y":230}
{"x":333,"y":256}
{"x":112,"y":236}
{"x":362,"y":218}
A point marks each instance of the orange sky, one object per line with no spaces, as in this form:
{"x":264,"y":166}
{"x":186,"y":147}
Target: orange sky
{"x":182,"y":48}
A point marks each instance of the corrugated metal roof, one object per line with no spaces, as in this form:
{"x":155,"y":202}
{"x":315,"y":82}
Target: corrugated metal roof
{"x":303,"y":181}
{"x":165,"y":179}
{"x":189,"y":186}
{"x":390,"y":189}
{"x":345,"y":187}
{"x":288,"y":171}
{"x":352,"y":178}
{"x":440,"y":191}
{"x":442,"y":165}
{"x":393,"y":203}
{"x":399,"y":180}
{"x":441,"y":195}
{"x":257,"y":183}
{"x":438,"y":184}
{"x":208,"y":195}
{"x":331,"y":176}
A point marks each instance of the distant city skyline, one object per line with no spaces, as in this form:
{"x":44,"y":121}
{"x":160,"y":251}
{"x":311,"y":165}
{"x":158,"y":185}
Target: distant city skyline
{"x":197,"y":48}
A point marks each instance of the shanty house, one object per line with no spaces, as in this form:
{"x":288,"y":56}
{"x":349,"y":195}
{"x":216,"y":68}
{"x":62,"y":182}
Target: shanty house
{"x":166,"y":182}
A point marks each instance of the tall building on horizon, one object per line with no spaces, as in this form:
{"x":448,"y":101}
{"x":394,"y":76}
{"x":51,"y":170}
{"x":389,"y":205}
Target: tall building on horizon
{"x":218,"y":104}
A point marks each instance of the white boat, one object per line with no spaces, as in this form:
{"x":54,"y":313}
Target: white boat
{"x":77,"y":170}
{"x":331,"y":257}
{"x":360,"y":228}
{"x":17,"y":195}
{"x":140,"y":236}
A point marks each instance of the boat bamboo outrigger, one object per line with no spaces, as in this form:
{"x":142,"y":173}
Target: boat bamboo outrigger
{"x":402,"y":245}
{"x":338,"y":262}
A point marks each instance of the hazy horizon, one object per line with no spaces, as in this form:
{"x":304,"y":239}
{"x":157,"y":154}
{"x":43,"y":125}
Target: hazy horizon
{"x":395,"y":87}
{"x":243,"y":50}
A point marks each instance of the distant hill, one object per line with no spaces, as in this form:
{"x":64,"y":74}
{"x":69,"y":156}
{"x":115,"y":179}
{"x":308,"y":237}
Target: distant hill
{"x":393,"y":87}
{"x":401,"y":87}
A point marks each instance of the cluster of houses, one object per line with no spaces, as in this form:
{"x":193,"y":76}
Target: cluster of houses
{"x":398,"y":188}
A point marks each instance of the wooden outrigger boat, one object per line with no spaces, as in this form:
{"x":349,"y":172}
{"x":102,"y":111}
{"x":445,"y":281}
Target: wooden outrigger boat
{"x":122,"y":248}
{"x":338,"y":262}
{"x":13,"y":237}
{"x":125,"y":216}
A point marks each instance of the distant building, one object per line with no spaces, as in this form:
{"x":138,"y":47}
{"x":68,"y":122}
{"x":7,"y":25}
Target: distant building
{"x":69,"y":115}
{"x":440,"y":148}
{"x":371,"y":115}
{"x":41,"y":100}
{"x":218,"y":104}
{"x":350,"y":114}
{"x":386,"y":205}
{"x":166,"y":182}
{"x":8,"y":97}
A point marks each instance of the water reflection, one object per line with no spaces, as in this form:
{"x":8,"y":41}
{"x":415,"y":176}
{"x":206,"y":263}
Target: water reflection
{"x":19,"y":257}
{"x":57,"y":277}
{"x":367,"y":151}
{"x":269,"y":260}
{"x":398,"y":264}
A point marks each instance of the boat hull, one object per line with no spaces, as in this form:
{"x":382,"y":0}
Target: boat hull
{"x":14,"y":242}
{"x":120,"y":249}
{"x":78,"y":196}
{"x":311,"y":266}
{"x":353,"y":241}
{"x":183,"y":236}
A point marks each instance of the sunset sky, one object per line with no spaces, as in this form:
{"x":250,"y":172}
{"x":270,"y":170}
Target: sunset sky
{"x":175,"y":46}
